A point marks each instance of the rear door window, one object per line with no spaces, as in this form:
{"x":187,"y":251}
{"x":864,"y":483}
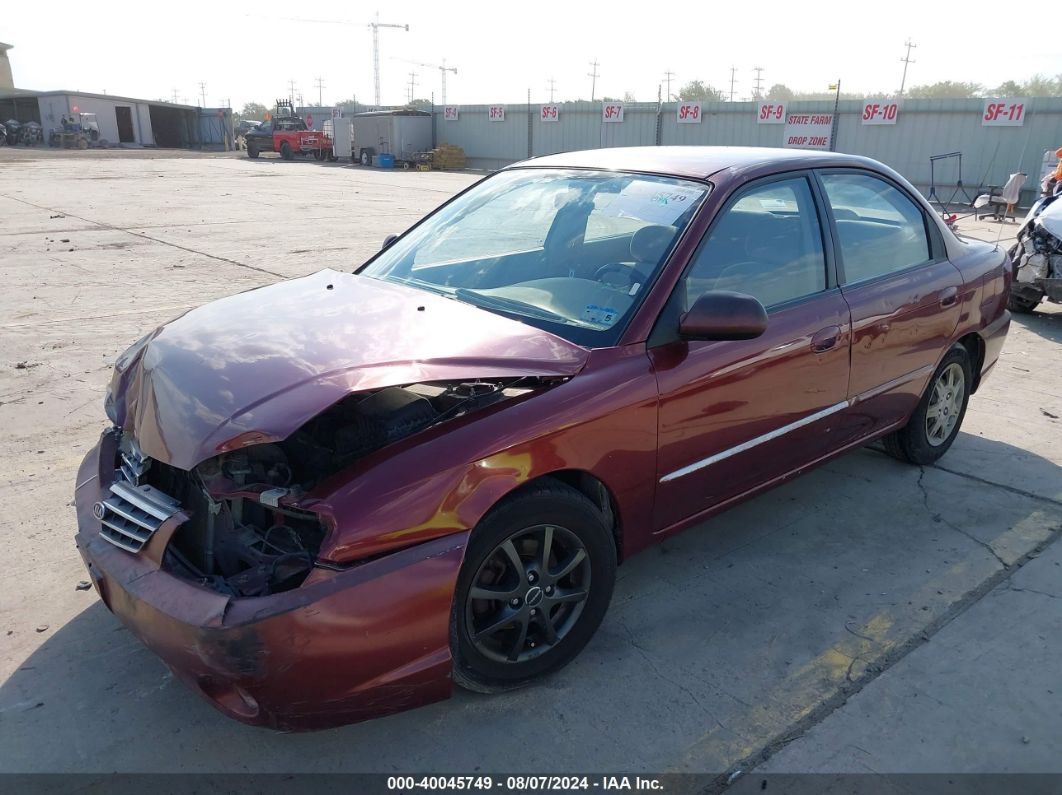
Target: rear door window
{"x":880,"y":229}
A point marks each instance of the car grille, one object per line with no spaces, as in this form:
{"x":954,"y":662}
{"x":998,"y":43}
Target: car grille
{"x":133,"y":511}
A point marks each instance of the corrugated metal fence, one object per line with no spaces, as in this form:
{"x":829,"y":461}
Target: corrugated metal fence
{"x":923,"y":128}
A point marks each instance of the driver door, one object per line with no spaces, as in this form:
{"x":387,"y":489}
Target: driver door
{"x":735,"y":415}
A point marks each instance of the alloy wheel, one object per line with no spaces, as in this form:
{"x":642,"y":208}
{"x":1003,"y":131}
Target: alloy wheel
{"x":945,"y":404}
{"x":528,"y":594}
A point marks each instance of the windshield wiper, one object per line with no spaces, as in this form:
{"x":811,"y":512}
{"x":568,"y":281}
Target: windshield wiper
{"x":510,"y":305}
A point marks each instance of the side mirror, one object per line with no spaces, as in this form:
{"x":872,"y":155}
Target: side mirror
{"x":388,"y":241}
{"x":723,"y":315}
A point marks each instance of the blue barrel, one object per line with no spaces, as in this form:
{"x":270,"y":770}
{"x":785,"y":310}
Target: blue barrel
{"x":385,"y":161}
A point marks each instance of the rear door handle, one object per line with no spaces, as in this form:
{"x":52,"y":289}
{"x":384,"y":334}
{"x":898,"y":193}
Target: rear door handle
{"x":949,"y":296}
{"x":825,"y":339}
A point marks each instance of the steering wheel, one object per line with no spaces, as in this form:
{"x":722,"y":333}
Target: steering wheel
{"x":631,"y":275}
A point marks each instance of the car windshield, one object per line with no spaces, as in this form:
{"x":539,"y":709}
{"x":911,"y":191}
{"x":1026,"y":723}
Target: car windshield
{"x":571,"y":252}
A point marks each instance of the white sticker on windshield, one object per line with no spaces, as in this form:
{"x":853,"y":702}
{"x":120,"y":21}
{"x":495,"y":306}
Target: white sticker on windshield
{"x":599,"y":315}
{"x":654,"y":202}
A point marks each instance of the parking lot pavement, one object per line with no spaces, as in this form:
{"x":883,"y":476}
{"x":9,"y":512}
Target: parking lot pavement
{"x":722,"y":644}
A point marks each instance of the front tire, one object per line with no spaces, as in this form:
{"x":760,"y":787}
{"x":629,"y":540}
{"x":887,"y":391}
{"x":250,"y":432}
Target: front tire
{"x":285,"y":151}
{"x":936,"y":421}
{"x":534,"y":587}
{"x":252,"y":151}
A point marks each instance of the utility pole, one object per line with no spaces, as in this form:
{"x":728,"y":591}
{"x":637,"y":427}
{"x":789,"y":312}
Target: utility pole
{"x":291,"y":91}
{"x":667,"y":77}
{"x":319,"y":85}
{"x":175,"y":97}
{"x":443,"y":69}
{"x":202,"y":94}
{"x":412,"y":86}
{"x":376,"y":25}
{"x":733,"y":71}
{"x":552,"y":89}
{"x":758,"y":91}
{"x":593,"y":78}
{"x":910,"y":45}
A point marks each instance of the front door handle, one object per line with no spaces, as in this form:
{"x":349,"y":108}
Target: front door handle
{"x":949,"y":296}
{"x":825,"y":339}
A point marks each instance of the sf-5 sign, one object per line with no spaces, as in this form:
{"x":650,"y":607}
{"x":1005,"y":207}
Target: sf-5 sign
{"x":880,"y":111}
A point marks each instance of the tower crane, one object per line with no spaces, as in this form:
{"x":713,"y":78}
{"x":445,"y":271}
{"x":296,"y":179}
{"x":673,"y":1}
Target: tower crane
{"x":376,"y":25}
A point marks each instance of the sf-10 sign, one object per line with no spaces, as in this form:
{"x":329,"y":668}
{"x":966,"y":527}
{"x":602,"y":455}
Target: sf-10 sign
{"x":880,"y":111}
{"x":1003,"y":113}
{"x":808,"y":130}
{"x":549,"y":113}
{"x":771,"y":113}
{"x":689,"y":113}
{"x":450,"y":113}
{"x":612,"y":112}
{"x":496,"y":112}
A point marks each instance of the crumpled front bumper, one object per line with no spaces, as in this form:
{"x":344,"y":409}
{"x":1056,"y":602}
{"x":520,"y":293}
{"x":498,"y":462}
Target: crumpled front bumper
{"x":345,"y":646}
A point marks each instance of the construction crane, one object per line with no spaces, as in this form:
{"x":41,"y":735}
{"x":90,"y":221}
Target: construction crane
{"x":443,"y":69}
{"x":376,"y":25}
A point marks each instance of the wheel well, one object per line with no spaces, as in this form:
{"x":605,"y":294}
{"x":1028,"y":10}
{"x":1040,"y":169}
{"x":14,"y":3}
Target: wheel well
{"x":594,"y":490}
{"x":975,"y":348}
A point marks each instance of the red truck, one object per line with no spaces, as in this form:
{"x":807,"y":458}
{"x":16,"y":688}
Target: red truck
{"x":289,"y":135}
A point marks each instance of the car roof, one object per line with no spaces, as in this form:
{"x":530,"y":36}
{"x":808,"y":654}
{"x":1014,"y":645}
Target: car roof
{"x":694,"y":161}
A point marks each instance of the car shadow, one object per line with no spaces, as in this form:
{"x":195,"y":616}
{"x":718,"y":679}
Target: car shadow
{"x":705,"y":629}
{"x":1046,"y":321}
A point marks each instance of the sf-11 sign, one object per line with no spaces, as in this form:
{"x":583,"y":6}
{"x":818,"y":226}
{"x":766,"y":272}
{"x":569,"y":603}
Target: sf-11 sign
{"x":1004,"y":112}
{"x":549,"y":113}
{"x":450,"y":113}
{"x":612,"y":112}
{"x":496,"y":112}
{"x":808,"y":130}
{"x":689,"y":113}
{"x":880,"y":111}
{"x":771,"y":113}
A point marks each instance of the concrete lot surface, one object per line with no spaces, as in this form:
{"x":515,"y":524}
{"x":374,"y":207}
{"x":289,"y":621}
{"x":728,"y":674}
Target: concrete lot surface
{"x":868,"y":616}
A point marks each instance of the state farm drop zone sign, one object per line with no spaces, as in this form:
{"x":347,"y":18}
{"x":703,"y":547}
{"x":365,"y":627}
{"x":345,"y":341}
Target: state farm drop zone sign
{"x":808,"y":130}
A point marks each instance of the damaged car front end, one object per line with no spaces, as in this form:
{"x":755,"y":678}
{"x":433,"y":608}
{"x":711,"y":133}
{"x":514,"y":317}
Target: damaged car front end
{"x":235,"y":533}
{"x":1037,"y":257}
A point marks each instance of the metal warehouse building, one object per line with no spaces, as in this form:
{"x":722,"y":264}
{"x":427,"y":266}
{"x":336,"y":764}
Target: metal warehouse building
{"x":122,"y":120}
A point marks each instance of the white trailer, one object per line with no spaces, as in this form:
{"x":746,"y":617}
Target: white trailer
{"x":401,"y":133}
{"x":342,"y":134}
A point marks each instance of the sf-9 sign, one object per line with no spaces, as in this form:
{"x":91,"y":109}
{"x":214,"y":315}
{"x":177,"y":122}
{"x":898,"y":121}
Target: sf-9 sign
{"x":689,"y":113}
{"x":496,"y":112}
{"x":1003,"y":113}
{"x":771,"y":113}
{"x":880,"y":111}
{"x":612,"y":112}
{"x":549,"y":113}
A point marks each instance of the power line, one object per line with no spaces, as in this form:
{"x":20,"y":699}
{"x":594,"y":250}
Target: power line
{"x":593,"y":76}
{"x":412,"y":86}
{"x":733,"y":71}
{"x":291,"y":91}
{"x":667,"y":77}
{"x":319,"y":85}
{"x":910,"y":45}
{"x":758,"y":90}
{"x":552,"y":89}
{"x":202,"y":94}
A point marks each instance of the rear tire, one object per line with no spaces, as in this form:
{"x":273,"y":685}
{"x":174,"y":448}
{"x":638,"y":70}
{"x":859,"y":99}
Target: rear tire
{"x":936,"y":421}
{"x":285,"y":151}
{"x":550,"y":557}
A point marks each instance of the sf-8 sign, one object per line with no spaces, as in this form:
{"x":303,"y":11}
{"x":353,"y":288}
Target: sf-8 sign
{"x":496,"y":112}
{"x":771,"y":113}
{"x":612,"y":112}
{"x":1003,"y":113}
{"x":880,"y":111}
{"x":689,"y":113}
{"x":549,"y":113}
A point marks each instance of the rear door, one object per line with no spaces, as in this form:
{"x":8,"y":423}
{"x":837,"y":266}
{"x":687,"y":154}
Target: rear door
{"x":735,"y":415}
{"x":903,"y":293}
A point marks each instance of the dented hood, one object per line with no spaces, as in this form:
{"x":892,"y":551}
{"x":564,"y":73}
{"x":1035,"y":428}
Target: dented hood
{"x":254,"y":367}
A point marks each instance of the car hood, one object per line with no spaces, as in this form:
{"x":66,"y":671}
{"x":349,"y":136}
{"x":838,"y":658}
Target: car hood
{"x":254,"y":367}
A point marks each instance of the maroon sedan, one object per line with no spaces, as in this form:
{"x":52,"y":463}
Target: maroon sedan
{"x":328,"y":499}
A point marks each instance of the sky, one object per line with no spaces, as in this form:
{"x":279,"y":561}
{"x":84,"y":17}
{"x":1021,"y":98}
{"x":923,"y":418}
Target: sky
{"x":152,"y":50}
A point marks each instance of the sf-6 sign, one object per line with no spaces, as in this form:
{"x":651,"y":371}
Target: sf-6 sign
{"x":880,"y":111}
{"x":771,"y":113}
{"x":1003,"y":113}
{"x":808,"y":130}
{"x":612,"y":112}
{"x":549,"y":113}
{"x":689,"y":113}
